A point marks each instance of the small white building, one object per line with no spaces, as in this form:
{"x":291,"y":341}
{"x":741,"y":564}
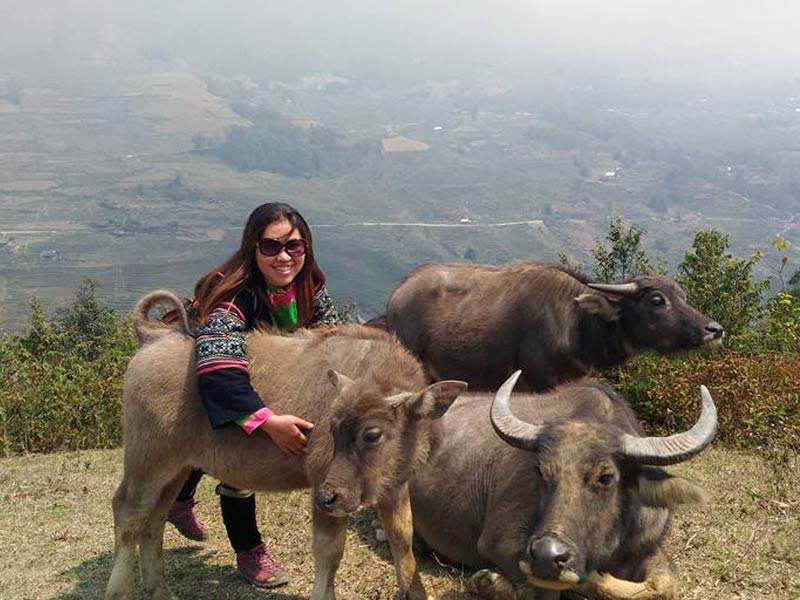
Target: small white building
{"x":50,"y":254}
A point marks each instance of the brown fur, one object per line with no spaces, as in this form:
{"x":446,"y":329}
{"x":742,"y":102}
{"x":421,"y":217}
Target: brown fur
{"x":482,"y":502}
{"x":481,"y":323}
{"x":167,"y":433}
{"x":147,"y":330}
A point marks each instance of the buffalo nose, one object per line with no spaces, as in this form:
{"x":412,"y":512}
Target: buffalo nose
{"x":715,"y":328}
{"x":550,"y":555}
{"x":325,"y":498}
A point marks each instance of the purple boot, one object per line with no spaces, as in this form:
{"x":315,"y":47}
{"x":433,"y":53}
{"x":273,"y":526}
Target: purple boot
{"x":259,"y":568}
{"x":181,"y":514}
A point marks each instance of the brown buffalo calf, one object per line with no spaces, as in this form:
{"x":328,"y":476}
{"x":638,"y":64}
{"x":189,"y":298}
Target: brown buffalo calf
{"x":375,"y":424}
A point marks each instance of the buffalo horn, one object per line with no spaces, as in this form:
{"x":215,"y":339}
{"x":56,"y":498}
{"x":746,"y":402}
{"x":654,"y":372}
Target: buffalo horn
{"x":620,"y":289}
{"x":399,"y":399}
{"x":679,"y":447}
{"x":512,"y":430}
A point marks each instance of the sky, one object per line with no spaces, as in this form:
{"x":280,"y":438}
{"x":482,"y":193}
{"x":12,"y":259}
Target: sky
{"x":679,"y":38}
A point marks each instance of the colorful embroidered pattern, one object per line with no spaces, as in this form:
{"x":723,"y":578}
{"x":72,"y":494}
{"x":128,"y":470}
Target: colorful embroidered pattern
{"x":324,"y":309}
{"x":220,"y":342}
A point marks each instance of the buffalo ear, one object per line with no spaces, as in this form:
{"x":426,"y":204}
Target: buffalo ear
{"x":339,"y":381}
{"x":434,"y":400}
{"x":659,"y":489}
{"x":598,"y":304}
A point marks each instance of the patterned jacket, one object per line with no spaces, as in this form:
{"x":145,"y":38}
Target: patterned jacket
{"x":222,"y":365}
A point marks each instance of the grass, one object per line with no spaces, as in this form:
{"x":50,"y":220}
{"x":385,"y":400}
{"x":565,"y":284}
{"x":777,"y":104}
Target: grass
{"x":57,"y":542}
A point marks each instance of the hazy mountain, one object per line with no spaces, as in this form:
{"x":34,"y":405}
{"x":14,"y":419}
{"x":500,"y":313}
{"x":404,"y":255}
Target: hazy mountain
{"x":526,"y":127}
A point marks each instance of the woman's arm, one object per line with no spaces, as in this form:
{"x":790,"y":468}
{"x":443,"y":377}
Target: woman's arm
{"x":222,"y":367}
{"x":224,"y":381}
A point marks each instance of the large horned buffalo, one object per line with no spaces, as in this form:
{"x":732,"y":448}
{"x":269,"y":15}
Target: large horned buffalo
{"x":481,"y":323}
{"x":561,"y":495}
{"x":375,"y":424}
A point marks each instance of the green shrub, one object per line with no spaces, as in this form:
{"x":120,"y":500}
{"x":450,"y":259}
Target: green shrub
{"x":757,"y":396}
{"x":62,"y":381}
{"x":62,"y":378}
{"x":780,"y":330}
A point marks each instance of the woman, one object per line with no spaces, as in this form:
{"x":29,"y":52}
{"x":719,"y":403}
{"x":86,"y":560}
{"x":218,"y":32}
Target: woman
{"x":271,"y":279}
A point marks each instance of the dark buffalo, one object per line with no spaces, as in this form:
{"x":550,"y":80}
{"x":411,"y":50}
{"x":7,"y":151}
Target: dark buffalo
{"x":480,"y":323}
{"x":375,"y":423}
{"x":546,"y":507}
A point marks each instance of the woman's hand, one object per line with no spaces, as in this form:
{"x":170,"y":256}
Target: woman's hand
{"x":287,"y":432}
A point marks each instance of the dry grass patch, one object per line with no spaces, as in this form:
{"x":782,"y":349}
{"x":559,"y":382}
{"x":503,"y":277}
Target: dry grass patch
{"x":180,"y":104}
{"x":403,"y":144}
{"x":56,"y":521}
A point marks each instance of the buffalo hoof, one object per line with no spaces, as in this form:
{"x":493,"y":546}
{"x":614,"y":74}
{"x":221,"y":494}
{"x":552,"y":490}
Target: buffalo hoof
{"x":491,"y":585}
{"x":379,"y":531}
{"x":608,"y":587}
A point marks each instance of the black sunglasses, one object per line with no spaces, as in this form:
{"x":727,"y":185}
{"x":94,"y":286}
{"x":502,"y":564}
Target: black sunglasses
{"x":270,"y":247}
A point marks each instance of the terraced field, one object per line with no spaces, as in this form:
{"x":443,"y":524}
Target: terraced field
{"x":101,"y":171}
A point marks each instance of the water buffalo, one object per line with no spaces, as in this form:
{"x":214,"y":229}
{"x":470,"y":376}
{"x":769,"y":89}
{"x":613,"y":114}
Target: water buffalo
{"x":374,"y":417}
{"x":557,"y":495}
{"x":480,"y":323}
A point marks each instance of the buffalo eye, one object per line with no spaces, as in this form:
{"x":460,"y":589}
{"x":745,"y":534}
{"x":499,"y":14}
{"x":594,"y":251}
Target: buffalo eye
{"x":658,"y":300}
{"x":606,"y":479}
{"x":372,"y":436}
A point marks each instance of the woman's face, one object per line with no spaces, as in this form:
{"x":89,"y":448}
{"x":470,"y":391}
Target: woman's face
{"x":281,"y":269}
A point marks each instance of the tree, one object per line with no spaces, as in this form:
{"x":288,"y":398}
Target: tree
{"x":86,"y":324}
{"x":40,"y":335}
{"x":718,"y":284}
{"x":201,"y":141}
{"x":62,"y":377}
{"x":780,"y":328}
{"x":274,"y":144}
{"x":625,"y":256}
{"x":570,"y":262}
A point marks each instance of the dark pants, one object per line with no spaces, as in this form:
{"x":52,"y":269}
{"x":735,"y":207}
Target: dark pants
{"x":238,"y":511}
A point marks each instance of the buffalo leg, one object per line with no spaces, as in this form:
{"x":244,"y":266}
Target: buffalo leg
{"x":491,"y":585}
{"x":500,"y":543}
{"x":659,"y":582}
{"x":503,"y":540}
{"x":134,"y":505}
{"x":396,"y":517}
{"x":151,"y":546}
{"x":120,"y":584}
{"x":329,"y":537}
{"x":151,"y":562}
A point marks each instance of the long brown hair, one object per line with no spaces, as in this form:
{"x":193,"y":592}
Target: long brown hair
{"x":240,"y":271}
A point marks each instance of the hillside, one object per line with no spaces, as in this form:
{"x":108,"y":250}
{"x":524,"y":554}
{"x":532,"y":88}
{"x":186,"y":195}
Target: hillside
{"x":102,"y":176}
